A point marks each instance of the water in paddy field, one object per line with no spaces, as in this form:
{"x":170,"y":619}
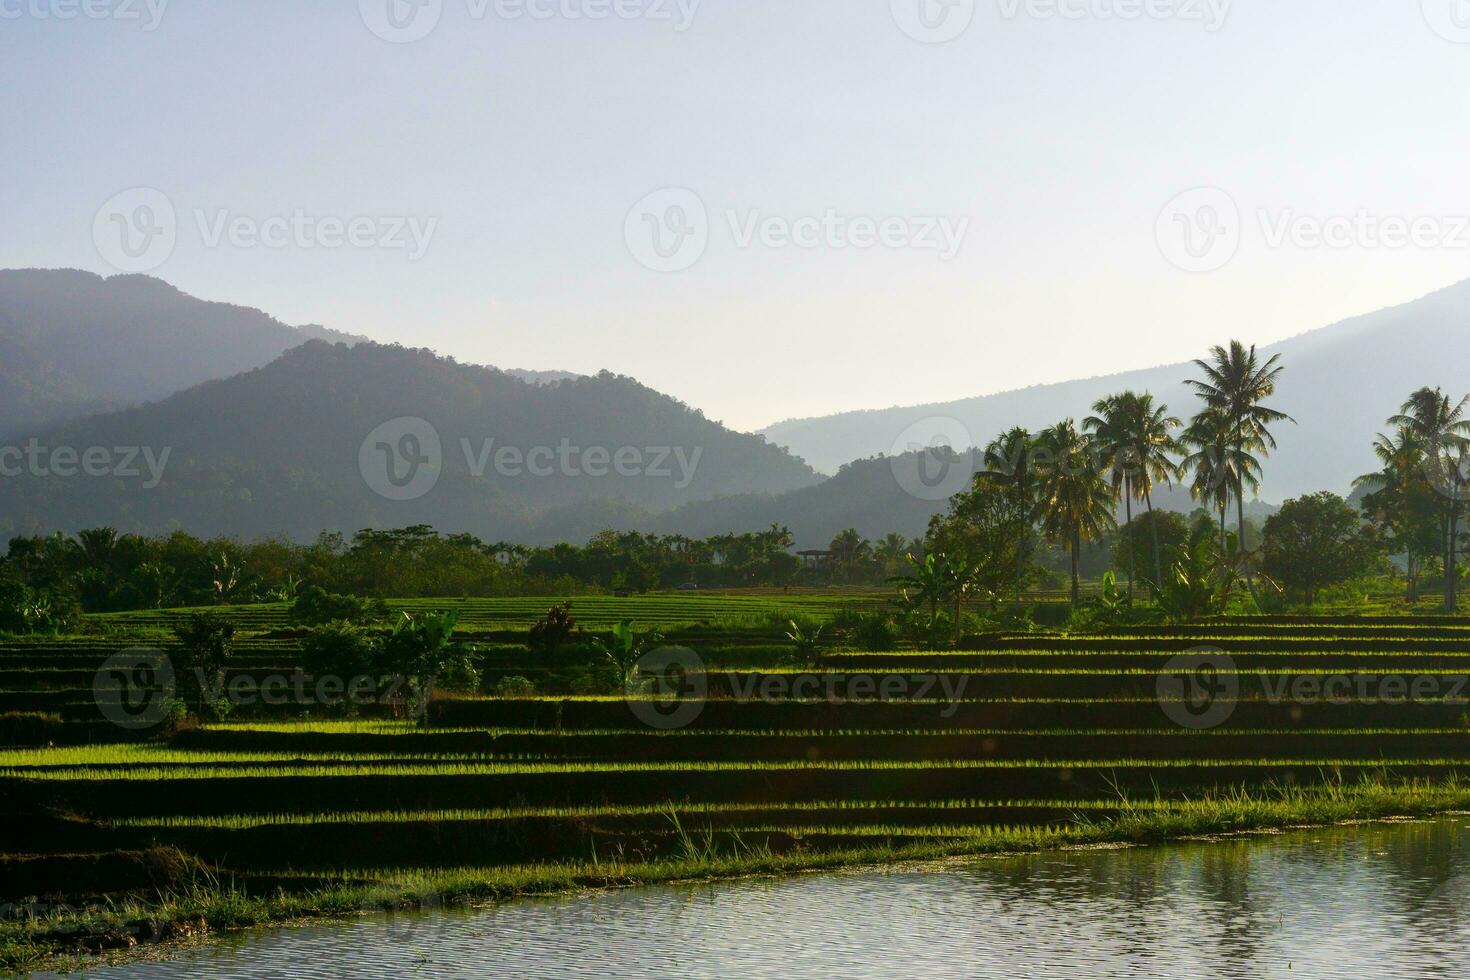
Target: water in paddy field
{"x":1381,"y":900}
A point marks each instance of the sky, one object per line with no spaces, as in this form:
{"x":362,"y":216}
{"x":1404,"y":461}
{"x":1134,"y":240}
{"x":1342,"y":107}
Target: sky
{"x":766,"y":208}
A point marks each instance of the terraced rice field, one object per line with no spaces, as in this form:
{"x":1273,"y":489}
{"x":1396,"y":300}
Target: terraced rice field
{"x":952,"y":748}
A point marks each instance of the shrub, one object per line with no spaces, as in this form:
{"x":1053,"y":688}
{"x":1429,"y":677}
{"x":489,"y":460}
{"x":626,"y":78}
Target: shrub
{"x":317,"y":606}
{"x":552,"y":630}
{"x":29,"y":728}
{"x":515,"y":686}
{"x":338,"y":648}
{"x":875,"y":631}
{"x":206,"y":643}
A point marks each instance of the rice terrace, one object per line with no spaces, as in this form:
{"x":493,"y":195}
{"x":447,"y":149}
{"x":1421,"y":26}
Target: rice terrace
{"x":735,"y":489}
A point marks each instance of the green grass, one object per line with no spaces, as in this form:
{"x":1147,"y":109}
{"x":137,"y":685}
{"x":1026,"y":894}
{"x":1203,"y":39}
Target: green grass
{"x":50,"y":941}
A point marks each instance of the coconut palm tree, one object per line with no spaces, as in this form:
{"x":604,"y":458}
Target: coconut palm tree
{"x":1008,"y":463}
{"x":1443,"y":433}
{"x":849,"y":548}
{"x":1236,"y":383}
{"x":1395,"y":490}
{"x":890,"y":551}
{"x":1138,"y":439}
{"x":1074,"y":499}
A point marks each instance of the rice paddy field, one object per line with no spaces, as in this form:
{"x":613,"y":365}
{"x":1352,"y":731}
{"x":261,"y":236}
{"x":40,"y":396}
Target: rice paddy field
{"x":755,"y":763}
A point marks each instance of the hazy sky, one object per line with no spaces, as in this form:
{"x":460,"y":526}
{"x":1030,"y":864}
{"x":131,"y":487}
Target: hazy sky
{"x":1045,"y":140}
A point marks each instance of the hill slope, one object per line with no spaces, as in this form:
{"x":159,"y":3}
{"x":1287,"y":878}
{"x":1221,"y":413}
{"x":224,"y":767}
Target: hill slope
{"x":305,"y":443}
{"x":72,"y":343}
{"x":1340,"y":383}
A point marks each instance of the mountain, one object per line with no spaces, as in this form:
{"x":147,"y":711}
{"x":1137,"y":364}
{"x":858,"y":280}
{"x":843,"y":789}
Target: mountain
{"x":1340,"y":383}
{"x":73,"y":343}
{"x":337,"y":437}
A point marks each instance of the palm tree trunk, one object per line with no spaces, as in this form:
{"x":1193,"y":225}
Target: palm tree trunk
{"x":1128,"y":507}
{"x":1452,"y":573}
{"x":1076,"y":583}
{"x":1148,"y":499}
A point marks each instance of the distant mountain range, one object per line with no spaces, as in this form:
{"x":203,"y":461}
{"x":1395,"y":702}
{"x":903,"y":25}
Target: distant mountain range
{"x":332,"y":437}
{"x":239,"y":424}
{"x":1340,"y":383}
{"x":73,"y":343}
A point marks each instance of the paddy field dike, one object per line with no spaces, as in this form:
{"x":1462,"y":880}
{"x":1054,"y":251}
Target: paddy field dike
{"x":727,"y":758}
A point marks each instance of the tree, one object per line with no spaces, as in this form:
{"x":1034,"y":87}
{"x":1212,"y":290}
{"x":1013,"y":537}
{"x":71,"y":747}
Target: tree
{"x":206,"y":644}
{"x":849,"y":548}
{"x":1008,"y":464}
{"x":1075,"y":500}
{"x":890,"y":551}
{"x":1236,"y":384}
{"x":418,"y":650}
{"x":1168,"y":529}
{"x":1442,"y":433}
{"x":1402,"y":503}
{"x":1316,"y":541}
{"x":1136,"y":438}
{"x":924,"y":585}
{"x":983,"y":530}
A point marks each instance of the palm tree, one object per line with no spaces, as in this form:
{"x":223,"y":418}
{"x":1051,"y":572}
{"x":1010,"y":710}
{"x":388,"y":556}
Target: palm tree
{"x":890,"y":550}
{"x":1215,"y":464}
{"x":1392,"y":495}
{"x":97,"y":546}
{"x":1108,"y":430}
{"x":1008,"y":462}
{"x":1236,"y":383}
{"x":849,"y":548}
{"x":1137,"y":438}
{"x":1443,"y":434}
{"x":1075,"y":500}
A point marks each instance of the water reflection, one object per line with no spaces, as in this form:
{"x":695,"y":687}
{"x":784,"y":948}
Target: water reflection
{"x":1368,"y":901}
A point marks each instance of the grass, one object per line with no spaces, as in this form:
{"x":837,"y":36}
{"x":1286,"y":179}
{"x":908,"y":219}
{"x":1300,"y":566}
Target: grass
{"x":217,"y":904}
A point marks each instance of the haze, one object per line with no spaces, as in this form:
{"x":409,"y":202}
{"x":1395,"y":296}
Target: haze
{"x":509,"y":150}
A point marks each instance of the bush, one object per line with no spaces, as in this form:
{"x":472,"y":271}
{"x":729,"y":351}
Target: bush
{"x":27,"y":610}
{"x":595,"y":680}
{"x":338,"y":648}
{"x":29,"y":728}
{"x":316,"y":606}
{"x":515,"y":686}
{"x":875,"y":631}
{"x":552,"y":630}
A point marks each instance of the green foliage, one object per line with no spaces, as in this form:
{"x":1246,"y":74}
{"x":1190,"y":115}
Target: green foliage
{"x":206,"y":643}
{"x":622,"y":649}
{"x":1199,"y":580}
{"x":552,"y":630}
{"x":875,"y":631}
{"x":805,"y":643}
{"x":27,"y":610}
{"x":339,"y":648}
{"x":1318,"y":541}
{"x":316,"y":606}
{"x":514,"y":686}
